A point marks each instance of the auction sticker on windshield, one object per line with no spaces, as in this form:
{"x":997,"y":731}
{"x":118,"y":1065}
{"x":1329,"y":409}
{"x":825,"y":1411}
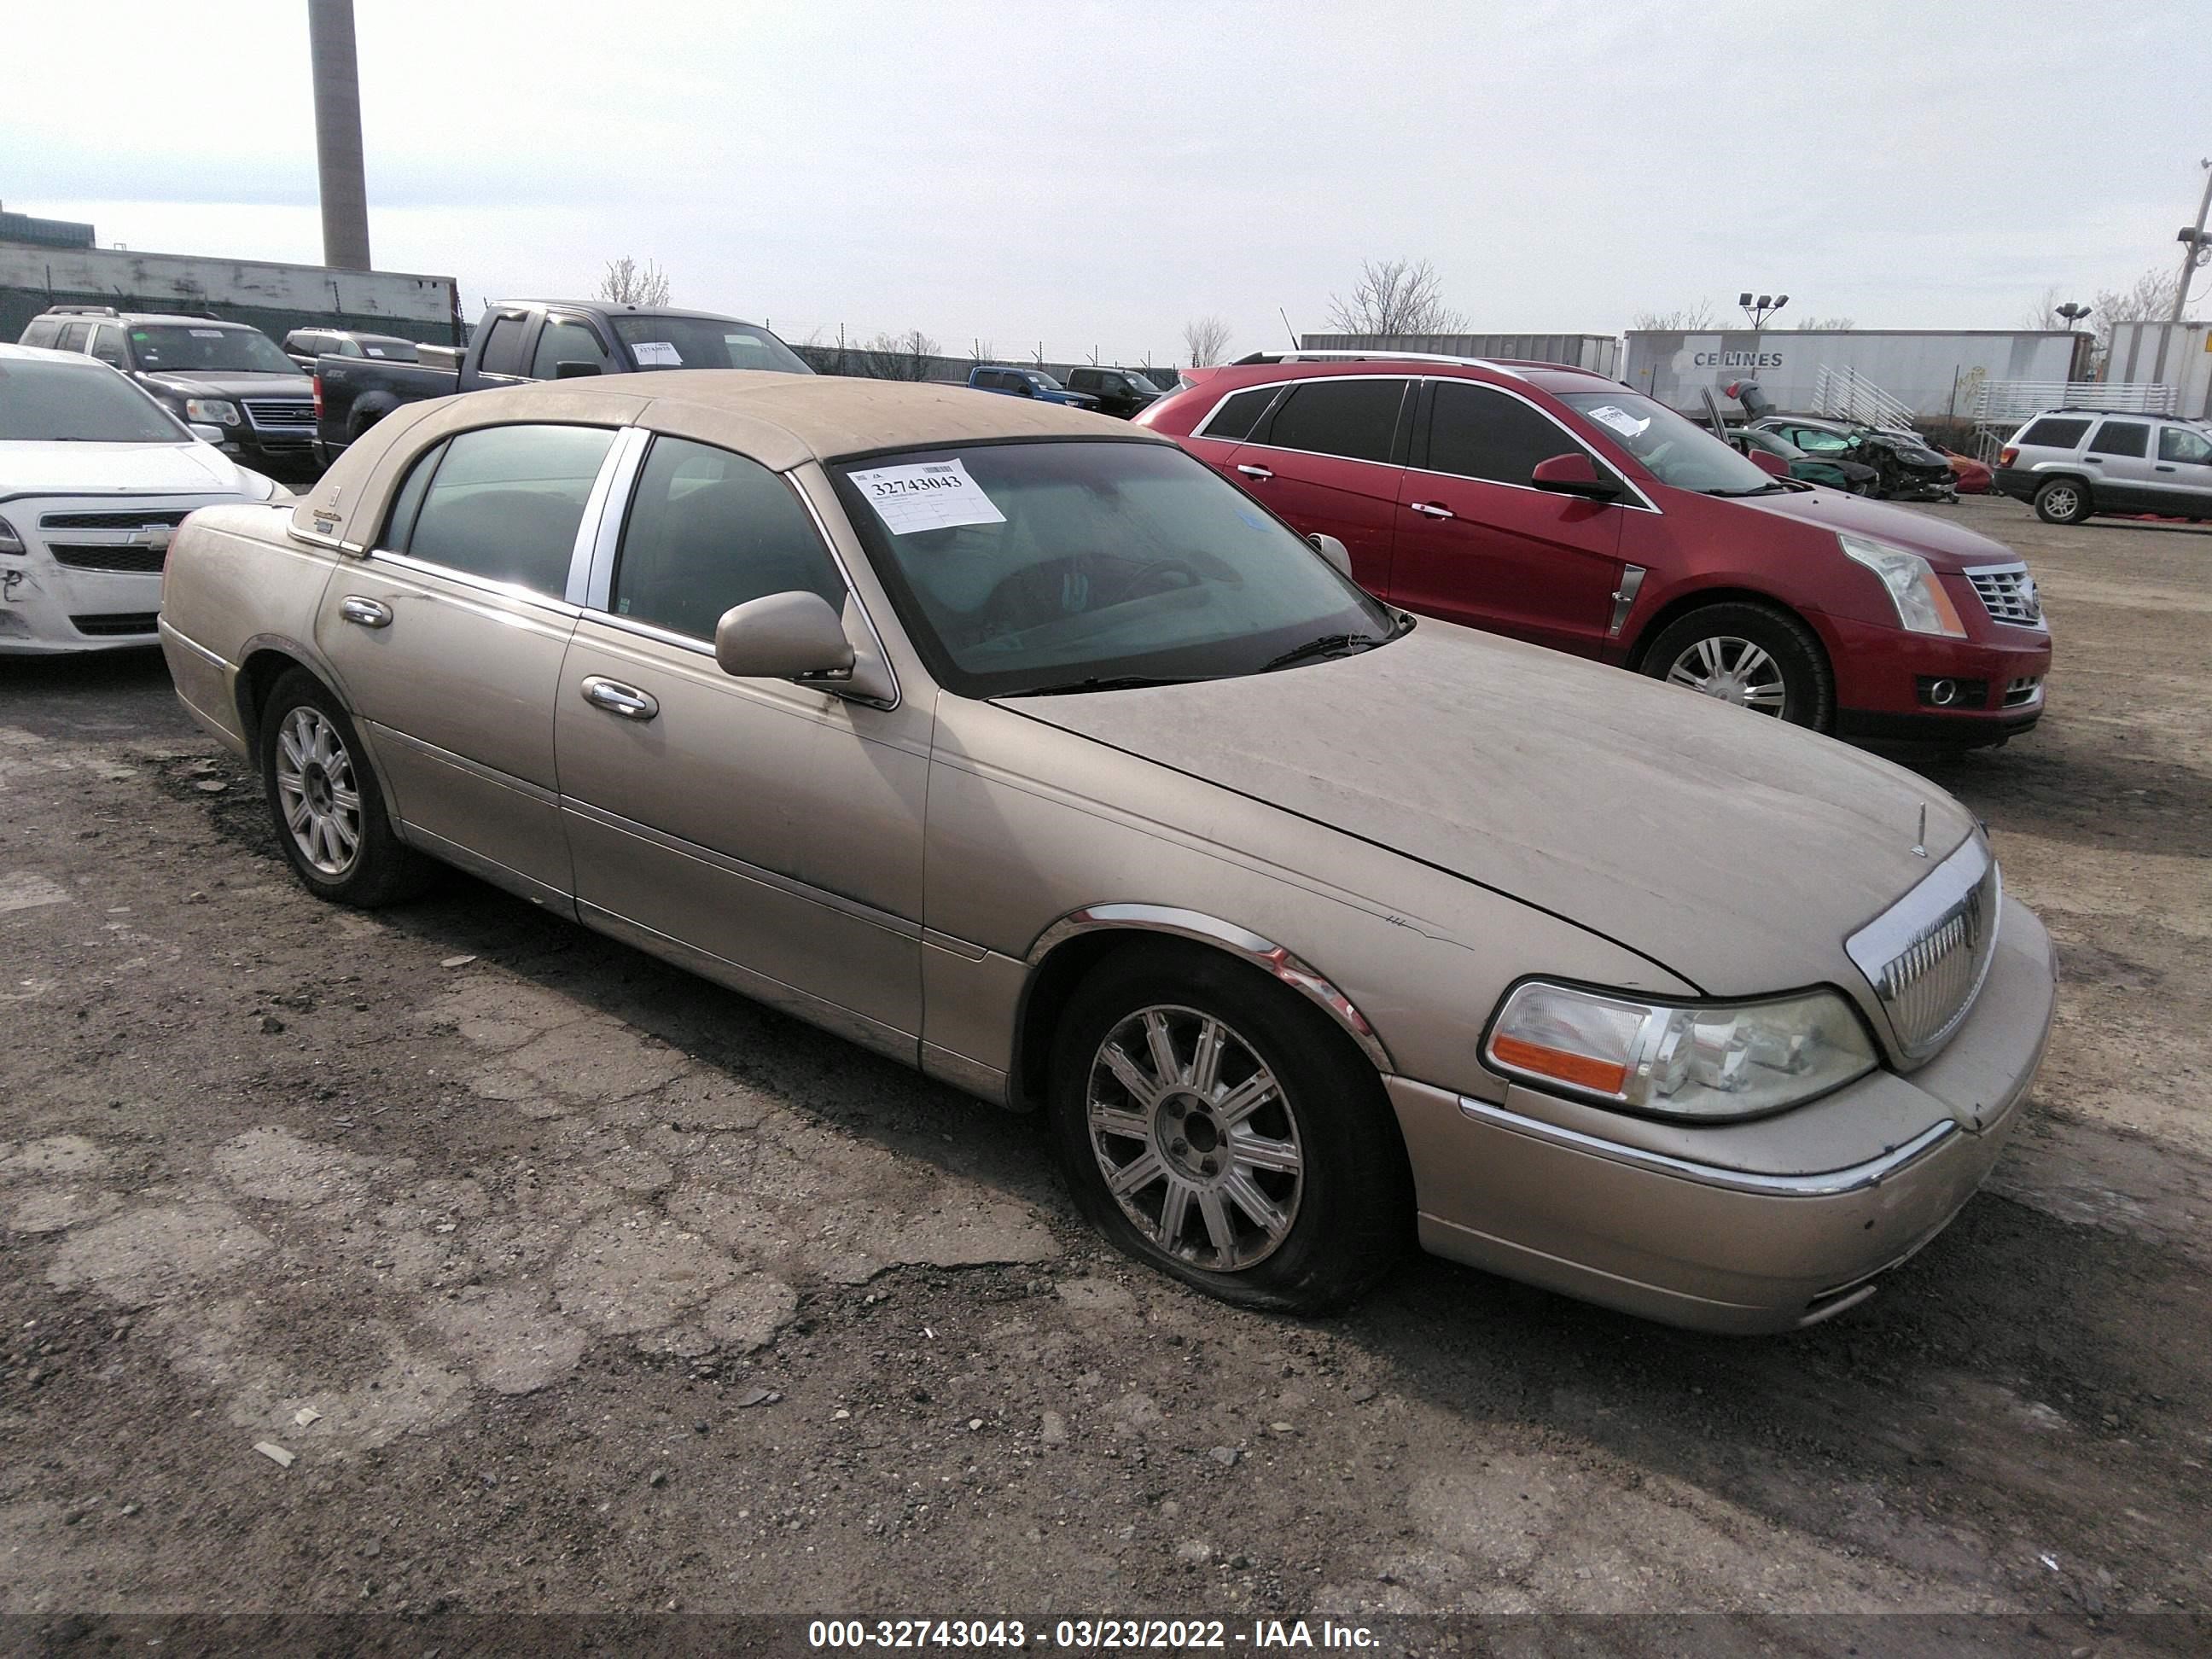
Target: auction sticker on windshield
{"x":657,"y":354}
{"x":934,"y":496}
{"x":1618,"y":419}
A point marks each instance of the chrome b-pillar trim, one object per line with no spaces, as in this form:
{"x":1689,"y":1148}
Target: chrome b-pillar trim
{"x":1624,"y":598}
{"x":1262,"y":953}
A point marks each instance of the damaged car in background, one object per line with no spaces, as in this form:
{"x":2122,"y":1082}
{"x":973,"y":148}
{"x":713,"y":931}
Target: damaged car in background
{"x":1011,"y":742}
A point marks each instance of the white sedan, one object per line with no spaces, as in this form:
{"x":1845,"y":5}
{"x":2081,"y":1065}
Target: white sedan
{"x":94,"y":478}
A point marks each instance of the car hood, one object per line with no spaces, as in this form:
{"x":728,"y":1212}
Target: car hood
{"x":177,"y":469}
{"x":231,"y":386}
{"x":1946,"y":546}
{"x":1733,"y":850}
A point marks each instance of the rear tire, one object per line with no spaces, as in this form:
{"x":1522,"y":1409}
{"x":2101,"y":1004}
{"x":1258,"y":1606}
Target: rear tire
{"x":326,"y":802}
{"x":1758,"y":659}
{"x":1213,"y":1125}
{"x":2062,"y":501}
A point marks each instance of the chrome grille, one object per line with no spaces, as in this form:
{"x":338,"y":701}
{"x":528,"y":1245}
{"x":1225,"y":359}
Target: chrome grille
{"x":280,"y":414}
{"x":1926,"y":956}
{"x":2022,"y":692}
{"x":2008,"y":593}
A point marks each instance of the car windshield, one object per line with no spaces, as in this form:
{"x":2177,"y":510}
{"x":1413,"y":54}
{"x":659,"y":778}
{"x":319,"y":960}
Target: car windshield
{"x":1675,"y":451}
{"x":188,"y":349}
{"x":1022,"y":567}
{"x":705,"y":343}
{"x":1139,"y":383}
{"x":1044,"y":380}
{"x":78,"y":404}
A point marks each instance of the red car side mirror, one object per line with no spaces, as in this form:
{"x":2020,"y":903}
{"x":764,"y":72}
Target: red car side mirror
{"x":1573,"y":475}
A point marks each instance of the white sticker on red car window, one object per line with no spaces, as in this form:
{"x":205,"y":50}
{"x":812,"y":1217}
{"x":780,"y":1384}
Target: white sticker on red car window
{"x":657,"y":354}
{"x":934,"y":496}
{"x":1619,"y":420}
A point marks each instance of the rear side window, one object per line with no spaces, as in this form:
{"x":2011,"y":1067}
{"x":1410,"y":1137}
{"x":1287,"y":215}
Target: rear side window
{"x":2178,"y":443}
{"x":1234,"y":421}
{"x":502,"y":347}
{"x":566,"y":340}
{"x":2121,"y":438}
{"x":708,"y":530}
{"x":74,"y":336}
{"x":1478,"y":432}
{"x":2053,"y":432}
{"x":43,"y":332}
{"x":503,"y":503}
{"x":1356,"y":419}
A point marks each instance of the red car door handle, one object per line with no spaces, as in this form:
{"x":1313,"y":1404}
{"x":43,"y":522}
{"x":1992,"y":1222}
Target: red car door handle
{"x":1259,"y":472}
{"x":1431,"y":510}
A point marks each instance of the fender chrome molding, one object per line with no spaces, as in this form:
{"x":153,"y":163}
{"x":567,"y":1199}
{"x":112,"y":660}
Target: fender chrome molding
{"x":1263,"y":954}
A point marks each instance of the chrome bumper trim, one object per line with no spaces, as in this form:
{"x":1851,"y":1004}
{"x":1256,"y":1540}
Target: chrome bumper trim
{"x":1828,"y":1183}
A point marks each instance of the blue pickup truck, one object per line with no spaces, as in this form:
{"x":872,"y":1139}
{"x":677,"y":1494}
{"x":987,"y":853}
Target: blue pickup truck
{"x":1027,"y":383}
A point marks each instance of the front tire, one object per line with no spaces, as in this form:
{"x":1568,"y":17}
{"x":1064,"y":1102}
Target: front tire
{"x":325,"y":801}
{"x":1758,"y":658}
{"x":1213,"y":1125}
{"x":2062,"y":501}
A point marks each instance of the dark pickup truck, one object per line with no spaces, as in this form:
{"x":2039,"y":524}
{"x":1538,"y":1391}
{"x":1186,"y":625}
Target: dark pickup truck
{"x":524,"y":340}
{"x":1119,"y":391}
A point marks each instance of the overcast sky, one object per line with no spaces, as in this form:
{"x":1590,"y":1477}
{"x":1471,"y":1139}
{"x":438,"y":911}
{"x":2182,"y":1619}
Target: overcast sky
{"x":1094,"y":175}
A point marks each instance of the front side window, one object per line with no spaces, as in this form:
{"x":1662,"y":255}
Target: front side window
{"x":501,"y":503}
{"x":567,"y":340}
{"x":1815,"y":442}
{"x":108,"y":346}
{"x":1031,"y":567}
{"x":2121,"y":438}
{"x":1675,"y":451}
{"x":708,"y":530}
{"x":191,"y":348}
{"x":705,"y":343}
{"x":2178,"y":443}
{"x":42,"y":401}
{"x":1478,"y":432}
{"x":1356,"y":419}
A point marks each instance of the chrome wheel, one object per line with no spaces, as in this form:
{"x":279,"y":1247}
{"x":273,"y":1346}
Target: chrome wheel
{"x":317,"y":791}
{"x":1733,"y":670}
{"x":2060,"y":502}
{"x":1194,"y":1137}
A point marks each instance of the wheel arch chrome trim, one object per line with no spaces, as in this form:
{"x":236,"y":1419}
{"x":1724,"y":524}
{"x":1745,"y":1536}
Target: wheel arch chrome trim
{"x":1265,"y":954}
{"x":1826,"y":1183}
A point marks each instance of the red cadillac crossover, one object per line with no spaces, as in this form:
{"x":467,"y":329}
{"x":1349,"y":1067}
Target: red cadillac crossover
{"x":1563,"y":508}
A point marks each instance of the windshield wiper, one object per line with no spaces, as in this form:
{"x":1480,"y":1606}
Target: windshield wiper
{"x":1764,"y":489}
{"x":1108,"y":682}
{"x":1328,"y":645}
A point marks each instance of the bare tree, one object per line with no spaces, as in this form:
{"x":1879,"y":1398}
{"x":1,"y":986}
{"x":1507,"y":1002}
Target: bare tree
{"x":627,"y":283}
{"x":1395,"y":296}
{"x":1826,"y":325}
{"x":2149,"y":299}
{"x":1204,"y":341}
{"x":1686,"y":320}
{"x":898,"y":356}
{"x":2042,"y":312}
{"x":983,"y":351}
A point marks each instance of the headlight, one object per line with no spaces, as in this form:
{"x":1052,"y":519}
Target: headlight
{"x":211,"y":412}
{"x":9,"y":541}
{"x":1922,"y":604}
{"x":1696,"y":1060}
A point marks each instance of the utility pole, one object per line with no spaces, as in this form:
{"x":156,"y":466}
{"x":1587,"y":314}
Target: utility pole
{"x":343,"y":189}
{"x":2193,"y":254}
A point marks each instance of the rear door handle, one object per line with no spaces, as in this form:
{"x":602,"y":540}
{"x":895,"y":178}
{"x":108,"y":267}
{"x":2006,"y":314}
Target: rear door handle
{"x":2095,"y":461}
{"x":1259,"y":472}
{"x":2163,"y":467}
{"x":616,"y":698}
{"x":1431,"y":510}
{"x":365,"y":613}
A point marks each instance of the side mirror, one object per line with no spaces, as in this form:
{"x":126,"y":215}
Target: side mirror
{"x":1573,"y":475}
{"x":570,"y":369}
{"x":1335,"y":552}
{"x":1768,"y":462}
{"x":783,"y":636}
{"x":207,"y":435}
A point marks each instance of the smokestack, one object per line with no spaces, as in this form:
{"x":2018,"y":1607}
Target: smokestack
{"x":337,"y":134}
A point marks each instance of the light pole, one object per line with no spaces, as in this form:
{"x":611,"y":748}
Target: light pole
{"x":1758,"y":310}
{"x":2198,"y":250}
{"x":2075,"y":315}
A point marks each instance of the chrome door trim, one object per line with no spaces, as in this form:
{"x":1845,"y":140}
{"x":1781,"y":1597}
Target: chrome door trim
{"x":1647,"y":505}
{"x":1826,"y":1183}
{"x":1263,"y":954}
{"x":523,"y":787}
{"x":491,"y":870}
{"x":1624,"y":598}
{"x":591,"y":576}
{"x":890,"y":922}
{"x":512,"y":592}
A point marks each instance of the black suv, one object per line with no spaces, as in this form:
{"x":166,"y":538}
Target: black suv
{"x":1119,"y":391}
{"x":205,"y":372}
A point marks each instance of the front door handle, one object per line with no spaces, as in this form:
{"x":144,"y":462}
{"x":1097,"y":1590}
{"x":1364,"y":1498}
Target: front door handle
{"x":365,"y":613}
{"x":2095,"y":461}
{"x":2163,"y":467}
{"x":616,"y":698}
{"x":1431,"y":510}
{"x":1259,"y":472}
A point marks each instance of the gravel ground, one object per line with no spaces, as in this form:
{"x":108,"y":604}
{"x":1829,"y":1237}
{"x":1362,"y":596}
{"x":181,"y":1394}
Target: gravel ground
{"x":569,"y":1283}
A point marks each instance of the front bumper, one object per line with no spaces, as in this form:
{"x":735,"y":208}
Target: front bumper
{"x":46,"y":608}
{"x":1884,"y":675}
{"x":1742,"y":1239}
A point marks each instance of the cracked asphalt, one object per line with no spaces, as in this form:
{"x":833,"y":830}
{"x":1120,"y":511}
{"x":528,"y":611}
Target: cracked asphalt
{"x":571,"y":1283}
